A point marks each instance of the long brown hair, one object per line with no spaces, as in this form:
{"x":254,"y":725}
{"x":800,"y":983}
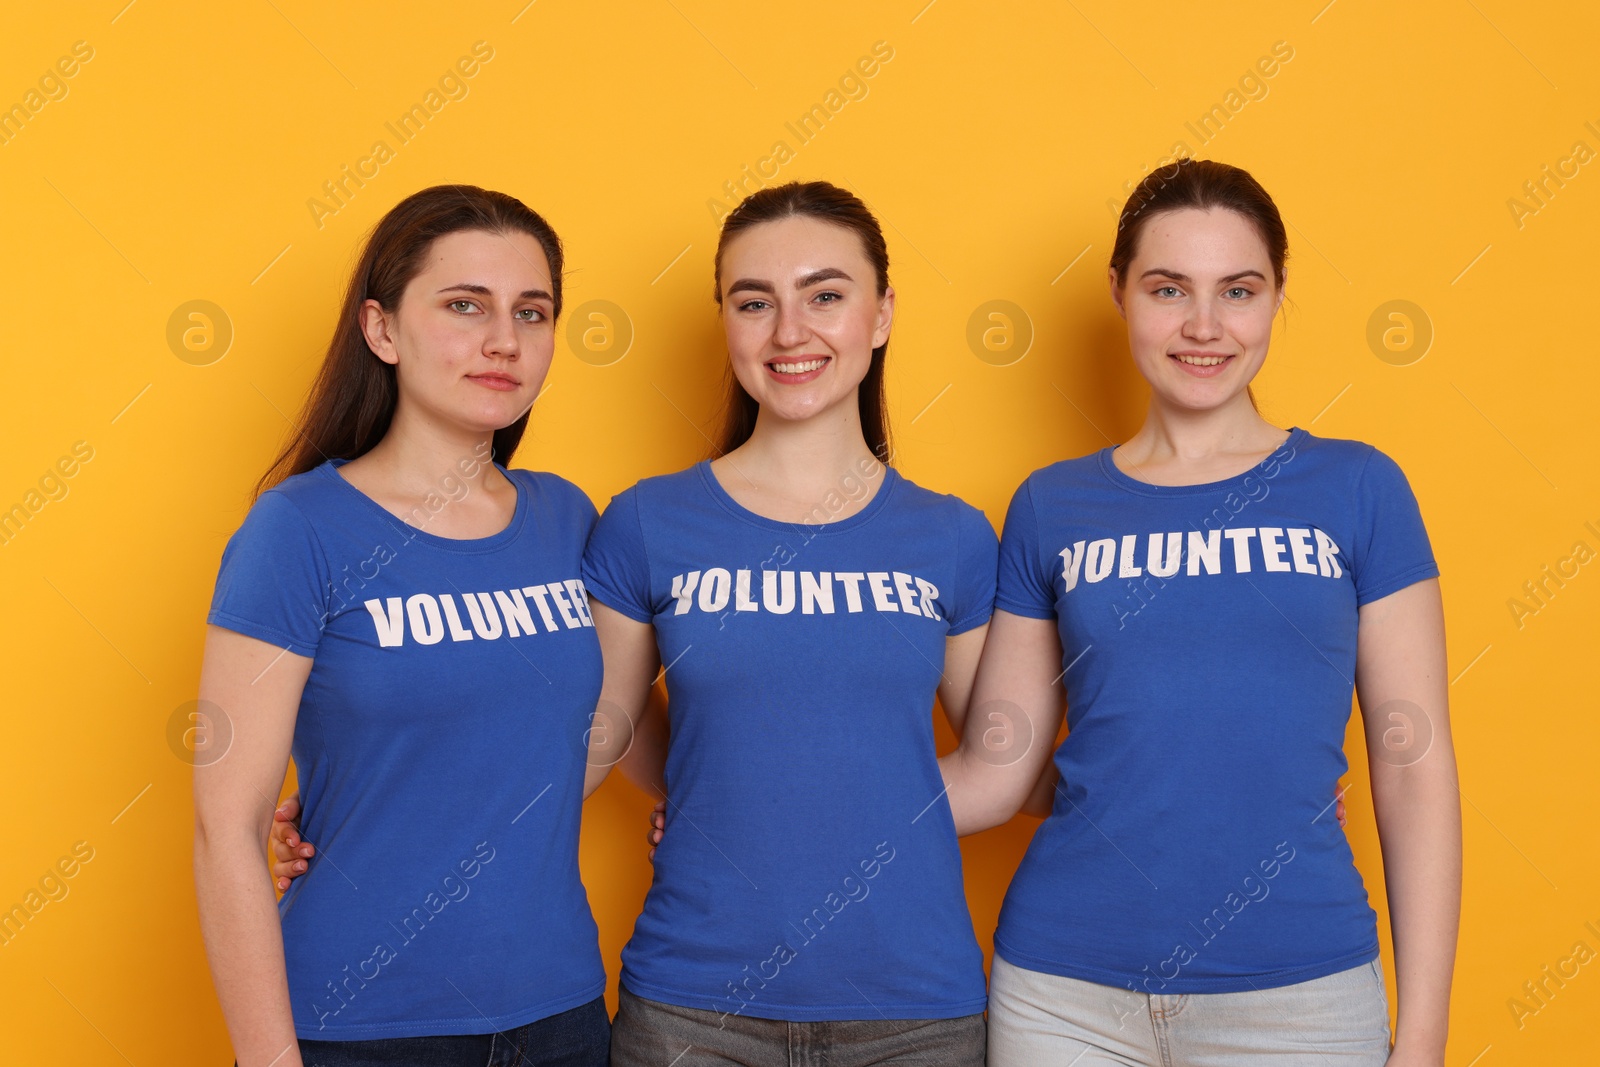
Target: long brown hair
{"x":353,"y":398}
{"x":827,"y":203}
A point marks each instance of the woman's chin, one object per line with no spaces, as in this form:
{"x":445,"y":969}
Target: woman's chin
{"x":800,"y":410}
{"x":1201,"y":397}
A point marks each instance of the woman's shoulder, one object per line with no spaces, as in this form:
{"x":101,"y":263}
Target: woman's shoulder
{"x":1076,"y":469}
{"x":649,"y":498}
{"x":1344,"y":457}
{"x":944,"y":510}
{"x":1334,"y":448}
{"x":291,"y":520}
{"x":550,"y":487}
{"x":912,"y":494}
{"x":310,"y":495}
{"x":663,"y":489}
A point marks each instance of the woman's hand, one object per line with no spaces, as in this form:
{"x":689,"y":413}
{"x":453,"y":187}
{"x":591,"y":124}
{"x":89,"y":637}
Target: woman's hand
{"x":1403,"y":1056}
{"x":289,"y":854}
{"x":658,"y":826}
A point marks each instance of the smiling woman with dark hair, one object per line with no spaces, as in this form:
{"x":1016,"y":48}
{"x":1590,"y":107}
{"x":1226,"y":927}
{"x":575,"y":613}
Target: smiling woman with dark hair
{"x":808,"y":603}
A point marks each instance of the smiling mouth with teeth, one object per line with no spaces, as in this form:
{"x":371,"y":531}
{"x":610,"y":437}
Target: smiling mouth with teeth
{"x":1202,"y":361}
{"x":805,"y":367}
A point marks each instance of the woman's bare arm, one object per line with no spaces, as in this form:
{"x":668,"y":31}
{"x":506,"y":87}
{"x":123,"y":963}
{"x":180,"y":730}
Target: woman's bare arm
{"x":257,"y":687}
{"x":619,"y":731}
{"x":1010,"y":730}
{"x":1402,"y":688}
{"x":961,"y":656}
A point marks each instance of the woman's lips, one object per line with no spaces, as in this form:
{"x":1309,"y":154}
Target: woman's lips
{"x":1201,"y":364}
{"x":798,"y":370}
{"x":498,"y":382}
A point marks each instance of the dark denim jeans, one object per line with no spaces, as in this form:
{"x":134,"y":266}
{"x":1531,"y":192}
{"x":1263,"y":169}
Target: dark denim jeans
{"x":580,"y":1037}
{"x":651,"y":1034}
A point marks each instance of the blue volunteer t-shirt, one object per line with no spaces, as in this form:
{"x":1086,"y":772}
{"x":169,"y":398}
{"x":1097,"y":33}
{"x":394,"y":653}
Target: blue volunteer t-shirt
{"x":809,"y":869}
{"x":439,"y":747}
{"x":1209,"y":641}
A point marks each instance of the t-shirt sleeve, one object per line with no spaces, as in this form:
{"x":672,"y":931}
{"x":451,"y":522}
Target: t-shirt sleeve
{"x":274,"y":583}
{"x":1391,"y":549}
{"x":1024,"y":589}
{"x":977,"y":556}
{"x":616,"y":570}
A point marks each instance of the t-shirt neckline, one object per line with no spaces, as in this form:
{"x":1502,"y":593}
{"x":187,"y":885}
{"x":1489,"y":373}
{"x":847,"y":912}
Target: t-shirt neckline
{"x":417,"y":534}
{"x":891,"y":478}
{"x":1121,"y":479}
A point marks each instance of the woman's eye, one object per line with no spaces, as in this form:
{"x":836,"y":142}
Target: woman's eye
{"x":753,"y":305}
{"x":531,"y":315}
{"x":1238,"y":292}
{"x":1167,"y":290}
{"x":829,"y":298}
{"x":462,"y":306}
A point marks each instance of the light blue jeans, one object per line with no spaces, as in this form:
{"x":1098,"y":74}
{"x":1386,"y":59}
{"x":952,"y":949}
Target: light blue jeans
{"x":1341,"y":1020}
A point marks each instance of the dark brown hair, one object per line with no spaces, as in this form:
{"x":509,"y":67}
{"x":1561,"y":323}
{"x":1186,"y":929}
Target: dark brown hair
{"x":827,"y":203}
{"x":353,"y":398}
{"x":1202,"y":184}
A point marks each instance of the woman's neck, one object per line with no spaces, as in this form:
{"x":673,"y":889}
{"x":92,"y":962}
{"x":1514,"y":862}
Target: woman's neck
{"x":786,"y":469}
{"x":445,"y":474}
{"x":413,"y":458}
{"x":1179,"y":447}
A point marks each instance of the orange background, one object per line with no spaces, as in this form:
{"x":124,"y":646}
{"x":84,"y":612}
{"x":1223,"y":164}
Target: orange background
{"x":176,"y":163}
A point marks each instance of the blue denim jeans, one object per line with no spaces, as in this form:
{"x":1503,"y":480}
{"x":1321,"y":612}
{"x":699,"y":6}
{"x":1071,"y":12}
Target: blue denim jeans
{"x":1341,"y":1020}
{"x":651,"y":1034}
{"x":580,"y":1037}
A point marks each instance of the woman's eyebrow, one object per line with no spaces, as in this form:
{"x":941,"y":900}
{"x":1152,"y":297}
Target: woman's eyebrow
{"x":758,"y":285}
{"x":1163,"y":272}
{"x":483,"y":290}
{"x":750,"y":285}
{"x":823,"y":275}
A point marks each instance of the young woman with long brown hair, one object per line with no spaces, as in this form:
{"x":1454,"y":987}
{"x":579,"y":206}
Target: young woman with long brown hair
{"x":407,"y":617}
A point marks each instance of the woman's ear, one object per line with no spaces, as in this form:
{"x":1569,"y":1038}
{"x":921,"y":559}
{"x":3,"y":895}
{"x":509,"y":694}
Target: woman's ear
{"x":880,"y":333}
{"x":377,"y":327}
{"x":1116,"y":292}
